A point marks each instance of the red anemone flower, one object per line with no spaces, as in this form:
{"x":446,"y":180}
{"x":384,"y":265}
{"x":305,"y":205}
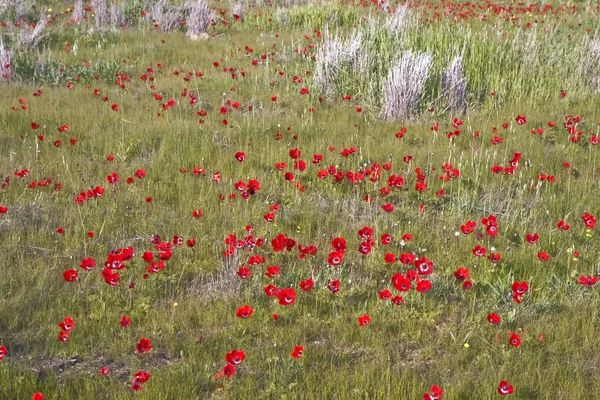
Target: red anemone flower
{"x":3,"y":352}
{"x":364,"y":320}
{"x":88,"y":264}
{"x":270,"y":290}
{"x":229,"y":370}
{"x":235,"y":357}
{"x":505,"y":388}
{"x":514,"y":340}
{"x":334,"y":286}
{"x":298,"y":352}
{"x":244,"y":312}
{"x":70,"y":275}
{"x":63,"y":336}
{"x":307,"y":285}
{"x":144,"y":345}
{"x":244,"y":272}
{"x":423,"y":286}
{"x":67,"y":324}
{"x":588,"y":281}
{"x":240,"y":156}
{"x":493,"y":318}
{"x":520,"y":287}
{"x":385,"y":295}
{"x":286,"y":296}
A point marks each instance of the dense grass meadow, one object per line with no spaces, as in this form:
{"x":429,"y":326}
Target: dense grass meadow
{"x":299,"y":200}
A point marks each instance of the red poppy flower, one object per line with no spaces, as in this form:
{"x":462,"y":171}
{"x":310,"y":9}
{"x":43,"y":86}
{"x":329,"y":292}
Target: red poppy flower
{"x":532,"y":238}
{"x":387,"y":207}
{"x":286,"y":296}
{"x":364,"y":320}
{"x":3,"y":210}
{"x":3,"y":352}
{"x":407,"y":258}
{"x":521,"y":119}
{"x":401,"y":283}
{"x":494,"y":258}
{"x":424,"y":266}
{"x":235,"y":357}
{"x":272,"y":271}
{"x":461,"y":274}
{"x":67,"y":324}
{"x":197,"y":213}
{"x":70,"y":275}
{"x":270,"y":290}
{"x":543,"y":256}
{"x":88,"y":264}
{"x":141,"y":377}
{"x":479,"y":251}
{"x":494,"y":318}
{"x":423,"y":286}
{"x":125,"y":321}
{"x":385,"y":295}
{"x":334,"y":286}
{"x":104,"y":371}
{"x":589,"y":220}
{"x":514,"y":340}
{"x":298,"y":352}
{"x":397,"y":300}
{"x":240,"y":156}
{"x":335,"y":258}
{"x":365,"y":248}
{"x":469,"y":226}
{"x":244,"y":312}
{"x":435,"y":393}
{"x":588,"y":281}
{"x":520,"y":287}
{"x":229,"y":370}
{"x":144,"y":345}
{"x":244,"y":272}
{"x":63,"y":336}
{"x":563,"y":226}
{"x":505,"y":388}
{"x":115,"y":107}
{"x":307,"y":285}
{"x":386,"y":239}
{"x":38,"y":396}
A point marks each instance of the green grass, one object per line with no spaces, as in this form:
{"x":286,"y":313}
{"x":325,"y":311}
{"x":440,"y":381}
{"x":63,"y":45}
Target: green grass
{"x":188,"y":309}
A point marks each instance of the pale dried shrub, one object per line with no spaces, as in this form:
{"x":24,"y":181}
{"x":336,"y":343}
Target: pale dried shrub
{"x":21,"y":8}
{"x":6,"y":70}
{"x":167,"y":16}
{"x":281,"y":16}
{"x":78,"y":12}
{"x":31,"y":36}
{"x":399,"y":23}
{"x":335,"y":54}
{"x":454,"y":86}
{"x":238,"y":10}
{"x":198,"y":20}
{"x":592,"y":63}
{"x":100,"y":13}
{"x":404,"y":84}
{"x":117,"y":14}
